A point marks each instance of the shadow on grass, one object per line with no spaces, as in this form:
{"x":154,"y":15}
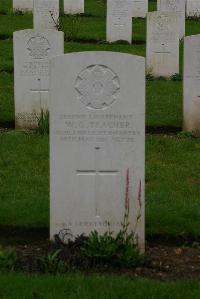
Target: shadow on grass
{"x":13,"y":235}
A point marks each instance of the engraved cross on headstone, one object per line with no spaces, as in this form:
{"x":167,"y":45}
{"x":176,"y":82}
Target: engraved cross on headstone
{"x":97,"y":172}
{"x":39,"y":91}
{"x":120,"y":25}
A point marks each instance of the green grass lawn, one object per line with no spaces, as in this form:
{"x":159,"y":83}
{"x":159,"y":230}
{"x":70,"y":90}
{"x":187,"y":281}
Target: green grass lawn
{"x":76,"y":286}
{"x":172,"y":183}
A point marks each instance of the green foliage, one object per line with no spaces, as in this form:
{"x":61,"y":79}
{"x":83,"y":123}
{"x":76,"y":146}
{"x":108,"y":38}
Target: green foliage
{"x":51,"y":263}
{"x":117,"y":251}
{"x":99,"y":286}
{"x":177,"y":77}
{"x":70,"y":25}
{"x":8,"y":259}
{"x":149,"y":77}
{"x":185,"y":134}
{"x":43,"y":122}
{"x":195,"y":18}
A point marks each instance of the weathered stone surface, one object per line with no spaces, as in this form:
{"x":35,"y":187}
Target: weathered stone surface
{"x":192,"y":84}
{"x":97,"y":143}
{"x":73,"y":6}
{"x":140,"y":8}
{"x":46,"y":14}
{"x":193,"y":8}
{"x":119,"y":20}
{"x":32,"y":50}
{"x":177,"y":6}
{"x":162,"y":57}
{"x":23,"y":5}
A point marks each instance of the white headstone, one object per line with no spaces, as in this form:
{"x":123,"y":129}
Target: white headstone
{"x":140,"y":8}
{"x":162,"y":58}
{"x":193,"y":8}
{"x":46,"y":14}
{"x":32,"y":50}
{"x":97,"y":143}
{"x":119,"y":20}
{"x":73,"y":6}
{"x":192,"y":84}
{"x":23,"y":5}
{"x":177,"y":6}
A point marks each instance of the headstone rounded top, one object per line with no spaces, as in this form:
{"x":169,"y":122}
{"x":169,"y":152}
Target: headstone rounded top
{"x":100,"y":54}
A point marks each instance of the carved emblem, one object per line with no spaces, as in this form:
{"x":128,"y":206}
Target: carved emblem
{"x":97,"y":86}
{"x":162,"y":23}
{"x":38,"y":47}
{"x":173,"y":4}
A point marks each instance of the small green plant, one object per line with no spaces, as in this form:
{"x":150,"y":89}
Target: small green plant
{"x":121,"y":249}
{"x":8,"y":259}
{"x":43,"y":122}
{"x":195,"y":17}
{"x":177,"y":77}
{"x":71,"y":27}
{"x":69,"y":24}
{"x":116,"y":251}
{"x":185,"y":134}
{"x":149,"y":77}
{"x":52,"y":263}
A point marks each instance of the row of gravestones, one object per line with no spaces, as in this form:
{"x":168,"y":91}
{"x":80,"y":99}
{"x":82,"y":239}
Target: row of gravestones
{"x":70,"y":6}
{"x":97,"y":124}
{"x":139,"y":7}
{"x":119,"y":16}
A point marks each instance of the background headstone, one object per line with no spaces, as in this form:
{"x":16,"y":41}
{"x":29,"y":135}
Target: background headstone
{"x":192,"y":84}
{"x":140,"y":8}
{"x":32,"y":50}
{"x":162,"y":44}
{"x":193,"y":8}
{"x":23,"y":5}
{"x":45,"y":14}
{"x":119,"y":20}
{"x":73,"y":6}
{"x":97,"y":143}
{"x":177,"y":6}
